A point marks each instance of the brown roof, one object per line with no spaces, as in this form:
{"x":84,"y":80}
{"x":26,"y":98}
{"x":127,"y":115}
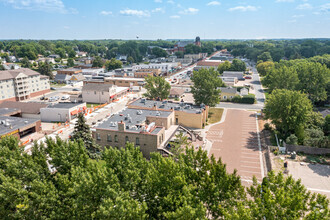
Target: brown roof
{"x":25,"y":107}
{"x":208,"y":63}
{"x":176,"y":91}
{"x":10,"y":74}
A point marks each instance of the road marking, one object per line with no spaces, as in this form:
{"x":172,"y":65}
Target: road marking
{"x":259,"y":145}
{"x":249,"y":167}
{"x":250,"y":162}
{"x":248,"y":157}
{"x":246,"y":171}
{"x":319,"y":190}
{"x":248,"y":153}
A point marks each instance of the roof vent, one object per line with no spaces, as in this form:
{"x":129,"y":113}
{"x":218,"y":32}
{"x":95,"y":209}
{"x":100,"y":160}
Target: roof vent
{"x":139,"y":112}
{"x":26,"y":122}
{"x":157,"y":113}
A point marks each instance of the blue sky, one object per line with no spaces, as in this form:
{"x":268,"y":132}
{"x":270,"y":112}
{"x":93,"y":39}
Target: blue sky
{"x":164,"y":19}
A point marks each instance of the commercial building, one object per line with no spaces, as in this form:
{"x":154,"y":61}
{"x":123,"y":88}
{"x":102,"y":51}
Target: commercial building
{"x":69,"y":71}
{"x":27,"y":109}
{"x":196,"y":57}
{"x":186,"y":114}
{"x":10,"y":112}
{"x":62,"y":112}
{"x":142,"y":73}
{"x":163,"y":67}
{"x":176,"y":92}
{"x":118,"y":81}
{"x":18,"y":127}
{"x":102,"y":93}
{"x":207,"y":64}
{"x":148,"y":129}
{"x":22,"y":84}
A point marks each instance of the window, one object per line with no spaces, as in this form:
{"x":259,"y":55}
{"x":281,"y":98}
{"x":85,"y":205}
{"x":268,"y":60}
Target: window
{"x":98,"y":136}
{"x":109,"y":138}
{"x":137,"y":141}
{"x":231,"y":97}
{"x":94,"y":92}
{"x":126,"y":139}
{"x":116,"y":138}
{"x":224,"y":97}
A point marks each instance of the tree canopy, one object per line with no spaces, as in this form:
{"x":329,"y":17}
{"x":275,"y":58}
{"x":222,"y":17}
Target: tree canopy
{"x":60,"y":181}
{"x":206,"y":87}
{"x":114,"y":64}
{"x":157,"y":87}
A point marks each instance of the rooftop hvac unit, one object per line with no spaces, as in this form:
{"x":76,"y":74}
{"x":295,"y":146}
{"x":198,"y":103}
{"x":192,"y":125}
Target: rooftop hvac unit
{"x":157,"y":113}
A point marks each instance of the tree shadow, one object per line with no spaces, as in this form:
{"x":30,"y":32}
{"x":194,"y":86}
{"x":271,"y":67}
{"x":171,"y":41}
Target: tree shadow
{"x":322,"y":170}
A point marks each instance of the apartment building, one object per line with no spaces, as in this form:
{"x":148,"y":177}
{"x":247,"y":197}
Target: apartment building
{"x":22,"y":84}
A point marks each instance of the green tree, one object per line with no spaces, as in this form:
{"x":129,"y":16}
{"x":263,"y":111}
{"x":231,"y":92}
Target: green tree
{"x":114,"y":64}
{"x":70,"y":62}
{"x":278,"y":197}
{"x":158,"y":52}
{"x":265,"y":68}
{"x":224,"y":66}
{"x":288,"y":111}
{"x":238,"y":65}
{"x":98,"y":62}
{"x":46,"y":69}
{"x":157,"y":88}
{"x":130,"y":60}
{"x":264,"y":57}
{"x":281,"y":78}
{"x":26,"y":63}
{"x":206,"y":87}
{"x":82,"y":131}
{"x":179,"y":54}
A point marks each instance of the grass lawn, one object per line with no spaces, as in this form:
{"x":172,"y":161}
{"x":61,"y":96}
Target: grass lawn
{"x":215,"y":115}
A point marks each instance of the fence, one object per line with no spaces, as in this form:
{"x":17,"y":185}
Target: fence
{"x":307,"y":150}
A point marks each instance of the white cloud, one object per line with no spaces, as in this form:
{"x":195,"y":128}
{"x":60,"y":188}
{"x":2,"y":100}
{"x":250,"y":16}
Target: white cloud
{"x":213,"y":3}
{"x":304,"y":6}
{"x":292,"y":21}
{"x":158,"y":1}
{"x":189,"y":11}
{"x":175,"y":16}
{"x":325,"y":8}
{"x":106,"y":12}
{"x":66,"y":27}
{"x":170,"y":2}
{"x":41,"y":5}
{"x":132,"y":12}
{"x":156,"y":10}
{"x":284,"y":0}
{"x":243,"y":8}
{"x":298,"y":16}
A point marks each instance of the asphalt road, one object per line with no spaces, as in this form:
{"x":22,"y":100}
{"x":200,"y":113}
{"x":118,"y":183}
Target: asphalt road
{"x":239,"y":106}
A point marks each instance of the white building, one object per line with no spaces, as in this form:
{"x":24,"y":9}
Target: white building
{"x":61,"y":112}
{"x":22,"y":84}
{"x":102,"y":93}
{"x":164,"y":67}
{"x":92,"y":71}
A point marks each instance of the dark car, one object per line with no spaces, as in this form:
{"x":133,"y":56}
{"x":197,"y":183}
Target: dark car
{"x":75,"y":89}
{"x":52,"y":88}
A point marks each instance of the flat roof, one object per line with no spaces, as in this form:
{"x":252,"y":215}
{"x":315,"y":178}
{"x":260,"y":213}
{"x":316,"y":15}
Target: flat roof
{"x":25,"y":107}
{"x":168,"y":105}
{"x":8,"y":111}
{"x":133,"y":119}
{"x":9,"y":124}
{"x":66,"y":105}
{"x":123,"y":78}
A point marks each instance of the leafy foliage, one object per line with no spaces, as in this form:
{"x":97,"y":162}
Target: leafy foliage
{"x":205,"y":89}
{"x":157,"y":88}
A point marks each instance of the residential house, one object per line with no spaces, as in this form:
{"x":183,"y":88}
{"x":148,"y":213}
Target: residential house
{"x":237,"y":74}
{"x":227,"y":93}
{"x":176,"y":93}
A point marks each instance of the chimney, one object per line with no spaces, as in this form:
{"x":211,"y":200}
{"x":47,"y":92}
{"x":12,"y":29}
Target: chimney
{"x":121,"y":126}
{"x":155,"y":107}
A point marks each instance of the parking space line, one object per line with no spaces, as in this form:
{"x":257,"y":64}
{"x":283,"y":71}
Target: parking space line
{"x":250,"y":161}
{"x":250,"y":167}
{"x":246,"y":171}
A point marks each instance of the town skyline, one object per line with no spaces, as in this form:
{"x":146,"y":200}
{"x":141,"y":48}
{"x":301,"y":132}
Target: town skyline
{"x":161,"y":19}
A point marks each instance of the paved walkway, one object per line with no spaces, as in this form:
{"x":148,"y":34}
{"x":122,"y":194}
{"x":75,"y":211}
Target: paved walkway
{"x":236,"y":142}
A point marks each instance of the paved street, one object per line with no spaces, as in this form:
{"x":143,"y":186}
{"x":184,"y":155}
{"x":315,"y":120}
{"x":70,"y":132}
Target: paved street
{"x":259,"y":92}
{"x":236,"y":142}
{"x":239,"y":106}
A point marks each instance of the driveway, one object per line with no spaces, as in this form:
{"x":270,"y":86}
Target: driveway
{"x":235,"y":141}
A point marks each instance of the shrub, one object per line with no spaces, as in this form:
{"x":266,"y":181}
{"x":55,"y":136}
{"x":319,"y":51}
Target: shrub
{"x":267,"y":127}
{"x":247,"y":99}
{"x":292,"y":139}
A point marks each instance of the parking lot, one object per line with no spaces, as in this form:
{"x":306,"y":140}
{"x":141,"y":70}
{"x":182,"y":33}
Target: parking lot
{"x":236,"y":142}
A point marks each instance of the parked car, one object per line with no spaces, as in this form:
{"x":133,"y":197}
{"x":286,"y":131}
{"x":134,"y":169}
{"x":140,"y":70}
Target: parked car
{"x":247,"y":77}
{"x":65,"y":97}
{"x":75,"y":89}
{"x":52,"y":88}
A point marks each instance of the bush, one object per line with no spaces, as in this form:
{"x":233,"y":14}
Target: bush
{"x":247,"y":99}
{"x":267,"y":127}
{"x":292,"y":139}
